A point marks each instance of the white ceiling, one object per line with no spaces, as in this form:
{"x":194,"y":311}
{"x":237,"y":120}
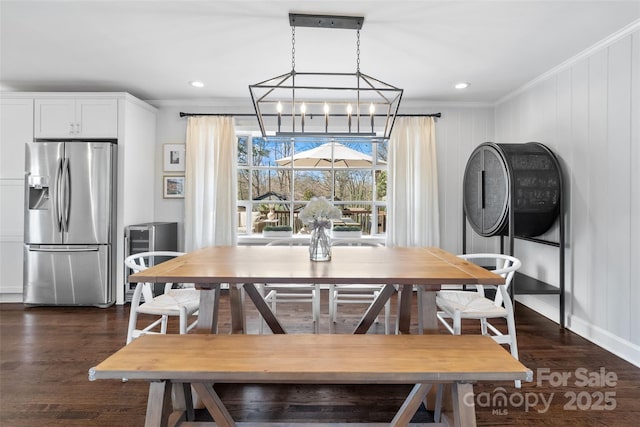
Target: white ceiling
{"x":153,"y":48}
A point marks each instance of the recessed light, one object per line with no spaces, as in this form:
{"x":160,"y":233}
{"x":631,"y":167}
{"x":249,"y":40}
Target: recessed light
{"x":196,"y":84}
{"x":462,"y":85}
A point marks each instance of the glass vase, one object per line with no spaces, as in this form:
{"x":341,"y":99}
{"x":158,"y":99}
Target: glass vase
{"x":320,"y":243}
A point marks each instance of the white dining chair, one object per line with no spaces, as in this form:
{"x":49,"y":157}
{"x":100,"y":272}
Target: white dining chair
{"x":455,"y":305}
{"x":356,"y":293}
{"x":182,"y":303}
{"x":274,"y":293}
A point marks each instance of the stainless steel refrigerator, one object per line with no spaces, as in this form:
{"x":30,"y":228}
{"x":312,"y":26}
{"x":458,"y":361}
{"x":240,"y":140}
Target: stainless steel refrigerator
{"x":70,"y":223}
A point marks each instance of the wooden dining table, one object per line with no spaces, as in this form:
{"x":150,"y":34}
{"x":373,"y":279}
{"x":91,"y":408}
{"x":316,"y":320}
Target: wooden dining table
{"x":404,"y":269}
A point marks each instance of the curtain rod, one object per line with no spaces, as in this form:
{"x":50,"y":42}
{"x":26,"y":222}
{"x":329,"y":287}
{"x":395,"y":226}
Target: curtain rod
{"x":310,"y":115}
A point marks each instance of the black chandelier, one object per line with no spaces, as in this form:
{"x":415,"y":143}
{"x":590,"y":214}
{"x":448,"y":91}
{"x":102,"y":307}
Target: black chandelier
{"x":351,"y":104}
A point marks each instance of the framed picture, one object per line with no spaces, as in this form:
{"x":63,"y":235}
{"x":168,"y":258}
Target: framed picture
{"x":173,"y":187}
{"x":174,"y":157}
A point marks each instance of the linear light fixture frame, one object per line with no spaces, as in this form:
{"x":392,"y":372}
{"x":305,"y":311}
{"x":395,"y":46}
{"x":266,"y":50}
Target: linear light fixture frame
{"x":277,"y":101}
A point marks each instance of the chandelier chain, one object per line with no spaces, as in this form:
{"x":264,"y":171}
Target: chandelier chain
{"x":358,"y":52}
{"x":293,"y":47}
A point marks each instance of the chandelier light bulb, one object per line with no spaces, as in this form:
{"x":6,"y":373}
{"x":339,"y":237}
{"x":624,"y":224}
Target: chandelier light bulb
{"x":349,"y":109}
{"x":326,"y":117}
{"x":279,"y":109}
{"x":372,"y":110}
{"x":303,"y":109}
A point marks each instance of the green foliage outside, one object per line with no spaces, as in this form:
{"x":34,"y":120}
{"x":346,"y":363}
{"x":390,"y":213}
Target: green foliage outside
{"x":278,"y":228}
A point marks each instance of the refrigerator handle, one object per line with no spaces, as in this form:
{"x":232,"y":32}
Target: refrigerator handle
{"x":67,"y":195}
{"x":93,"y":249}
{"x":57,"y":208}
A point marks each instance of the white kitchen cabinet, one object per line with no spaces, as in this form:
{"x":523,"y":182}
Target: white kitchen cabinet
{"x":113,"y":115}
{"x":76,"y":118}
{"x":16,"y":129}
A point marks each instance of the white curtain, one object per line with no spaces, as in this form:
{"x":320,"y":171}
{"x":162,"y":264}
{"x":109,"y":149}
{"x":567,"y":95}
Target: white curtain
{"x":210,"y":182}
{"x":412,"y":184}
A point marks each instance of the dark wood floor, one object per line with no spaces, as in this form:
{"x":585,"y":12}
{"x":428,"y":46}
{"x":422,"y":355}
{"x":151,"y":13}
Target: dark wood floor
{"x":45,"y":354}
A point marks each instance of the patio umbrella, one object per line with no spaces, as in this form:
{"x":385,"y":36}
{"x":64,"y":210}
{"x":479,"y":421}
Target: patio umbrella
{"x":344,"y":156}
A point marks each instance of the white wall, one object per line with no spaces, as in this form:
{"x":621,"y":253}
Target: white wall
{"x":172,"y":129}
{"x":460,"y":129}
{"x":587,"y":111}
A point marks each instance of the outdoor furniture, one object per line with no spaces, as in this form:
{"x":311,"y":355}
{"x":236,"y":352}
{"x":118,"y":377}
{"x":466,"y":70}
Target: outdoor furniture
{"x":243,"y":266}
{"x":206,"y":360}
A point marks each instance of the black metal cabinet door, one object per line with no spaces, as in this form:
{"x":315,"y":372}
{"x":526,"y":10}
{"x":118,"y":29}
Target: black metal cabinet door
{"x":486,"y":191}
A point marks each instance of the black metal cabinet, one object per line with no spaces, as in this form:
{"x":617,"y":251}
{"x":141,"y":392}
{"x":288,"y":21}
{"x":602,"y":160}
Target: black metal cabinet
{"x":515,"y":190}
{"x":525,"y":178}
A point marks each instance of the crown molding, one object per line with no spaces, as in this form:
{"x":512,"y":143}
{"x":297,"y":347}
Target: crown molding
{"x":603,"y":44}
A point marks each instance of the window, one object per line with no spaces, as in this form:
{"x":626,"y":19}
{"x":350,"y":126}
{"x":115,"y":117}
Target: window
{"x":277,"y":177}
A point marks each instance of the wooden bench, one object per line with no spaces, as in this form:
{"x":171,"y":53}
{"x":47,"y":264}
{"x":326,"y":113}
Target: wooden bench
{"x":202,"y":360}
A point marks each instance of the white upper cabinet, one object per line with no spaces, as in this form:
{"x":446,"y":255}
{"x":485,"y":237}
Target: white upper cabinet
{"x":16,"y":129}
{"x":76,"y":118}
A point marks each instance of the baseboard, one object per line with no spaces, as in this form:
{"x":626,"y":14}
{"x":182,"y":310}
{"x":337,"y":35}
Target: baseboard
{"x":10,"y":298}
{"x":547,"y":305}
{"x":622,"y":348}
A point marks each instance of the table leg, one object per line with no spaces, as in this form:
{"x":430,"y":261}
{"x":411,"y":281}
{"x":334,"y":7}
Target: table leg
{"x":237,"y":309}
{"x":208,"y":309}
{"x":427,"y":309}
{"x":374,"y":309}
{"x":263,"y":309}
{"x":404,"y":309}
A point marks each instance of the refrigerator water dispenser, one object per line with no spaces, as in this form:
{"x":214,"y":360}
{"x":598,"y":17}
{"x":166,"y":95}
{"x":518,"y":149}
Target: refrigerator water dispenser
{"x":38,"y":192}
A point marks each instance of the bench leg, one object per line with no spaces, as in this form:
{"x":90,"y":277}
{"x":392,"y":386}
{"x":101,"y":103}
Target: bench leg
{"x":214,"y":405}
{"x":464,"y":412}
{"x":410,"y":405}
{"x":158,"y":404}
{"x":438,"y":408}
{"x":183,"y":400}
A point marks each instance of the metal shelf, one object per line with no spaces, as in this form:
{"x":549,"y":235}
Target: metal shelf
{"x":527,"y":285}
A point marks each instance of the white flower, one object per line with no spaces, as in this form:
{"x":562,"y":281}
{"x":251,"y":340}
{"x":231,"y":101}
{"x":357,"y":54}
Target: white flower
{"x":319,"y":208}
